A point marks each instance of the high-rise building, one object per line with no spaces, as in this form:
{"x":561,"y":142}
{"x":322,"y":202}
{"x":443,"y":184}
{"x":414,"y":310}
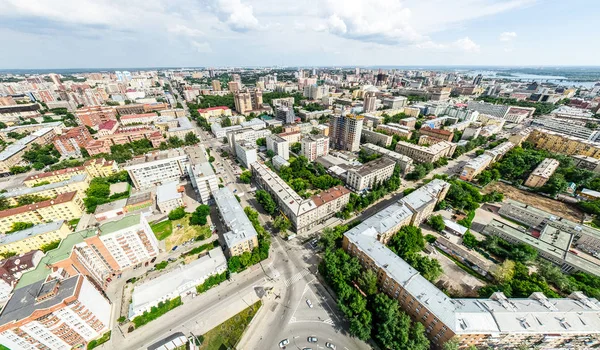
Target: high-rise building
{"x":246,"y":101}
{"x":369,"y":102}
{"x":314,"y":146}
{"x":315,"y":92}
{"x":345,"y":131}
{"x":280,"y":146}
{"x":478,"y":79}
{"x":236,"y":78}
{"x":286,"y":114}
{"x":216,"y":85}
{"x":234,"y":86}
{"x":156,"y":168}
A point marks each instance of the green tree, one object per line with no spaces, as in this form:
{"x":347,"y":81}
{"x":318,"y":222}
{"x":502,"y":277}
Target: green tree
{"x":19,"y":226}
{"x":176,"y":213}
{"x":368,"y":282}
{"x":469,"y":240}
{"x":282,"y":223}
{"x":246,"y":177}
{"x":266,"y":201}
{"x":436,"y":222}
{"x":199,"y":215}
{"x":226,"y":122}
{"x":191,"y":138}
{"x":261,"y":141}
{"x":270,"y":153}
{"x":296,"y":147}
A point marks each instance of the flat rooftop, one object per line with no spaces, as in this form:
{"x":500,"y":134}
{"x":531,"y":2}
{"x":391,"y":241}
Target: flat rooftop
{"x":30,"y":232}
{"x":167,"y":192}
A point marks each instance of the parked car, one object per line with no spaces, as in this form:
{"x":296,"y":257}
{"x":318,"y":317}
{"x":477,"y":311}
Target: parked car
{"x":309,"y":303}
{"x":331,"y":346}
{"x":312,"y":339}
{"x":284,"y":343}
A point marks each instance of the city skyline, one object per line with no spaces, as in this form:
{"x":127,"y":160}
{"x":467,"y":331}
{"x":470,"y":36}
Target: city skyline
{"x":67,"y":34}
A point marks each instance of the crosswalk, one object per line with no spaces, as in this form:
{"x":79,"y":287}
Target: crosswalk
{"x":295,"y":278}
{"x":328,"y":321}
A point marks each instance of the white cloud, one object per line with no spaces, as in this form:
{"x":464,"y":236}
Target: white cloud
{"x":507,"y":36}
{"x":202,"y":47}
{"x":185,"y":30}
{"x":237,"y":15}
{"x":466,"y":44}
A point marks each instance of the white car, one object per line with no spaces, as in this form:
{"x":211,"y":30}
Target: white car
{"x":331,"y":346}
{"x":309,"y":303}
{"x":284,"y":343}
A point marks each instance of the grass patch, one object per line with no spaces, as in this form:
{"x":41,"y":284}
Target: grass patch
{"x":211,"y":282}
{"x":156,"y":311}
{"x":202,"y":248}
{"x":162,"y":230}
{"x":74,"y":222}
{"x":467,"y":269}
{"x":228,"y":334}
{"x":185,"y":232}
{"x":97,"y":342}
{"x":161,"y":265}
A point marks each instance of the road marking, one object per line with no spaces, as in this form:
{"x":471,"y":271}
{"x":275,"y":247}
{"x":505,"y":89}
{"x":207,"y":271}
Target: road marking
{"x":295,"y":278}
{"x":328,"y":321}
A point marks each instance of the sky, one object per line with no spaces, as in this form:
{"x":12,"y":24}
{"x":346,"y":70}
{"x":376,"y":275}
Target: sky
{"x":233,"y":33}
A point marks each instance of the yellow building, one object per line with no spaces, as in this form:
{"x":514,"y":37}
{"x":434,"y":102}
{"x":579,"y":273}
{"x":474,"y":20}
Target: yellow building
{"x":560,"y":143}
{"x":53,"y":176}
{"x":66,"y":206}
{"x":541,"y":174}
{"x":101,"y":167}
{"x":78,"y":183}
{"x":34,"y":238}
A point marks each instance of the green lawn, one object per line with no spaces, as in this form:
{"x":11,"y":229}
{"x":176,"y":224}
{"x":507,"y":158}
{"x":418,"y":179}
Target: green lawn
{"x":227,"y":334}
{"x":162,"y":230}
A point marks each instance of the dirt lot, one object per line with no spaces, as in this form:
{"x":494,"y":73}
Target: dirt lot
{"x":552,"y":206}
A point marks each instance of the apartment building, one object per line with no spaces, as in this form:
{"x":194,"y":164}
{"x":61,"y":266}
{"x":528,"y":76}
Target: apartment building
{"x":246,"y":153}
{"x":441,"y":134}
{"x":518,"y":114}
{"x":93,"y":116}
{"x":66,"y":206}
{"x":395,"y":129}
{"x":369,"y":174}
{"x":280,"y":146}
{"x":497,"y":322}
{"x":291,"y":136}
{"x":395,"y":102}
{"x":331,"y":201}
{"x":564,"y":144}
{"x":345,"y":132}
{"x":220,"y":131}
{"x":314,"y":146}
{"x":202,"y":175}
{"x":70,"y":143}
{"x":99,"y":253}
{"x":55,"y":313}
{"x":520,"y":136}
{"x":157,"y":168}
{"x":376,"y":138}
{"x":301,"y":212}
{"x":542,"y":173}
{"x":475,"y":166}
{"x":100,"y":167}
{"x":78,"y":183}
{"x":246,"y":134}
{"x":403,"y":161}
{"x":248,"y":101}
{"x":241,"y":237}
{"x":588,"y":163}
{"x":212,"y":112}
{"x":53,"y":176}
{"x":13,"y":154}
{"x":424,"y":154}
{"x":11,"y":269}
{"x":168,"y":197}
{"x":567,"y":127}
{"x":22,"y":242}
{"x":30,"y":129}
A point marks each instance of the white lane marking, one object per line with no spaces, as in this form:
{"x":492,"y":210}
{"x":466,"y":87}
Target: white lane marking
{"x":295,"y":278}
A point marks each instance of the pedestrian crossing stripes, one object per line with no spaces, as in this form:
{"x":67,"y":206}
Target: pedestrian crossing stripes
{"x":295,"y":278}
{"x":328,"y":321}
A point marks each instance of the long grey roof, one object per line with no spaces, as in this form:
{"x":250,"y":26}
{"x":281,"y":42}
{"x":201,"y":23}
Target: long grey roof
{"x":241,"y":229}
{"x":498,"y":314}
{"x":30,"y":232}
{"x":23,"y":302}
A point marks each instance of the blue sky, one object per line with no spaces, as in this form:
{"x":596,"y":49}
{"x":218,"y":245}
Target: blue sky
{"x":150,"y":33}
